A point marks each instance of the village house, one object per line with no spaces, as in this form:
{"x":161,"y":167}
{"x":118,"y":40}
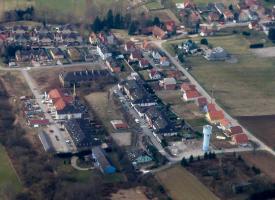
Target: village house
{"x":188,"y":47}
{"x":143,"y":63}
{"x":129,"y":46}
{"x":40,"y":55}
{"x":225,"y":124}
{"x":189,"y":4}
{"x":136,"y":55}
{"x":119,"y":124}
{"x":45,"y":39}
{"x":160,"y":58}
{"x":154,"y":74}
{"x":159,"y":33}
{"x":170,"y":26}
{"x":103,"y":51}
{"x":213,"y":115}
{"x":140,"y":159}
{"x":168,"y":83}
{"x":228,"y":15}
{"x":22,"y":56}
{"x":240,"y":139}
{"x":233,"y":130}
{"x":213,"y":17}
{"x":191,"y":95}
{"x":84,"y":77}
{"x":56,"y":53}
{"x":201,"y":103}
{"x":159,"y":122}
{"x":113,"y":65}
{"x":107,"y":38}
{"x":74,"y":54}
{"x":138,"y":95}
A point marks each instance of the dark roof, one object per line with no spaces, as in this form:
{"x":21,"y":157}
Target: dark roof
{"x":69,"y":109}
{"x":100,"y":157}
{"x":138,"y":92}
{"x":84,"y":75}
{"x":82,"y":132}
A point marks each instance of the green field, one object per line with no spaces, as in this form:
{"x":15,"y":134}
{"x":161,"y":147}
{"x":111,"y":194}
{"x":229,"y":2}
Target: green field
{"x":181,"y":184}
{"x":243,"y":88}
{"x":7,"y":173}
{"x":62,"y":9}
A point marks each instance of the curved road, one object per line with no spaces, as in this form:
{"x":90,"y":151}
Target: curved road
{"x":204,"y":93}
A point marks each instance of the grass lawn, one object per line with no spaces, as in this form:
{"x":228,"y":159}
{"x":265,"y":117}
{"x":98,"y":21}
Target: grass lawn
{"x":245,"y":88}
{"x":7,"y":173}
{"x":181,"y":184}
{"x":153,"y":5}
{"x":204,"y":2}
{"x":62,"y":9}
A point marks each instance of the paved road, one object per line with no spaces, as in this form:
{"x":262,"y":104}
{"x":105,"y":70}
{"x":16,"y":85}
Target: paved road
{"x":81,"y":64}
{"x":61,"y":145}
{"x":262,"y":145}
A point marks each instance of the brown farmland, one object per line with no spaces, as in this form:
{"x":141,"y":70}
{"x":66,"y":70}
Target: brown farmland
{"x":263,"y":127}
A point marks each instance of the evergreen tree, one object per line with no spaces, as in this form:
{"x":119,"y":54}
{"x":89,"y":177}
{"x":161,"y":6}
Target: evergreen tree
{"x":132,"y":28}
{"x":97,"y":25}
{"x":191,"y":159}
{"x":118,"y":21}
{"x":110,"y":19}
{"x":184,"y":162}
{"x":156,"y":21}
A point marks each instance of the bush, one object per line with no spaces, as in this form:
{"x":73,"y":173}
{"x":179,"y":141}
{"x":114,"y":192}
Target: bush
{"x":246,"y":33}
{"x":204,"y":41}
{"x":258,"y":45}
{"x":184,"y":162}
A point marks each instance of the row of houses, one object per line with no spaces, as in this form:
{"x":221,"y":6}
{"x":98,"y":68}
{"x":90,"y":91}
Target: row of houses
{"x":37,"y":36}
{"x":69,"y":79}
{"x":211,"y":13}
{"x":46,"y":56}
{"x":213,"y":115}
{"x":147,"y":107}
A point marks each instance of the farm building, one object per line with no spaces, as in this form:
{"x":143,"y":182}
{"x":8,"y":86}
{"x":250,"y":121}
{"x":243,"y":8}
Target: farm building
{"x":101,"y":161}
{"x":168,"y":83}
{"x":240,"y":139}
{"x":119,"y":124}
{"x":191,"y":95}
{"x":216,"y":54}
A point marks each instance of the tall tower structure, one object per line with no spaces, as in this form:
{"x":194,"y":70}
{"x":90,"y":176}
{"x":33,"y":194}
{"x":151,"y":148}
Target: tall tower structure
{"x":207,"y":132}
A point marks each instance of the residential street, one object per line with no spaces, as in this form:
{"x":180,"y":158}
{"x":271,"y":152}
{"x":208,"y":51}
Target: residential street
{"x":58,"y":138}
{"x":262,"y":145}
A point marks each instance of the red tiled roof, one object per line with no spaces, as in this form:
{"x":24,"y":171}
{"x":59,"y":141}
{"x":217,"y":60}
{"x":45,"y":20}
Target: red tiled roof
{"x":59,"y":99}
{"x":187,"y":86}
{"x":190,"y":94}
{"x":55,"y":94}
{"x":240,"y":138}
{"x":60,"y":104}
{"x":236,"y":130}
{"x":157,"y":31}
{"x":216,"y":115}
{"x":144,"y":61}
{"x":211,"y":107}
{"x":202,"y":101}
{"x":39,"y":121}
{"x":225,"y":122}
